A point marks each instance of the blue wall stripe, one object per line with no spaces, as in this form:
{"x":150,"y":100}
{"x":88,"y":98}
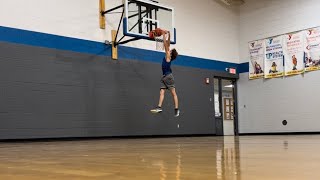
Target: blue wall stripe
{"x":243,"y":67}
{"x":52,"y":41}
{"x":32,"y":38}
{"x":182,"y":60}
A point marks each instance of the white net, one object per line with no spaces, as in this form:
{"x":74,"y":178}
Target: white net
{"x":159,"y":41}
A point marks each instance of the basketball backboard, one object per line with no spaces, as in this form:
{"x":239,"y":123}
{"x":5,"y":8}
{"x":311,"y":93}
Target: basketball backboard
{"x":142,"y":16}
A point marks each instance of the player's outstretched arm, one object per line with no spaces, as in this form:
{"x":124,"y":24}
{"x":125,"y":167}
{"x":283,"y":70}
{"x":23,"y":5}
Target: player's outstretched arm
{"x":168,"y":39}
{"x":166,"y":43}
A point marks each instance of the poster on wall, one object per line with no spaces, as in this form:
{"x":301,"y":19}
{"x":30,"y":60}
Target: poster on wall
{"x":312,"y":49}
{"x":273,"y":59}
{"x":294,"y":53}
{"x":256,"y":65}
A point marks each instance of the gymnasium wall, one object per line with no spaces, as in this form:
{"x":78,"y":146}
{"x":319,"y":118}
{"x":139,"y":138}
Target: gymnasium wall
{"x":49,"y":93}
{"x":206,"y":29}
{"x":264,"y":104}
{"x":57,"y":78}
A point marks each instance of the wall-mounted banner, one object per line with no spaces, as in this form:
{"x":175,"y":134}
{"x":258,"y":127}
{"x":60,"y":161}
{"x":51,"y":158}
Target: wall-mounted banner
{"x":294,"y":53}
{"x":312,"y":49}
{"x":256,"y":65}
{"x":273,"y":60}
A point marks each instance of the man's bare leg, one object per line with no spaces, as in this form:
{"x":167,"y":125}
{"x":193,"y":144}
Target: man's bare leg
{"x":161,"y":98}
{"x":162,"y":91}
{"x":176,"y":102}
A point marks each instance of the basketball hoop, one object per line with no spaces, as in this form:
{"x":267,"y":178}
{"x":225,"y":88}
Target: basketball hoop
{"x":159,"y":42}
{"x":158,"y":35}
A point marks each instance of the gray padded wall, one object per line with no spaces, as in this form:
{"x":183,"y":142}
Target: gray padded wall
{"x":48,"y":93}
{"x":264,"y":104}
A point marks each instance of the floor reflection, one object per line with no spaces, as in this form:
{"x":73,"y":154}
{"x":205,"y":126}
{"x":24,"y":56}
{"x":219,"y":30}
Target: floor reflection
{"x":222,"y":158}
{"x":167,"y":158}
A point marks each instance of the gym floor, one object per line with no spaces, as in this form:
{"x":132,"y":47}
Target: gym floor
{"x":244,"y":157}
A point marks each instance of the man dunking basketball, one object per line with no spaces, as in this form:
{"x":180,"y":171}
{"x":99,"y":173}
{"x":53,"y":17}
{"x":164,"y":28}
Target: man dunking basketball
{"x":167,"y":80}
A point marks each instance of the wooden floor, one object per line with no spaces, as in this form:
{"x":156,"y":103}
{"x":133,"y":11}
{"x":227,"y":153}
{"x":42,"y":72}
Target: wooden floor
{"x":207,"y":158}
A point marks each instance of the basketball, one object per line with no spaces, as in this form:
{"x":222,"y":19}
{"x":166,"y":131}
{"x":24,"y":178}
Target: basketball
{"x":151,"y":34}
{"x":158,"y":32}
{"x":155,"y":33}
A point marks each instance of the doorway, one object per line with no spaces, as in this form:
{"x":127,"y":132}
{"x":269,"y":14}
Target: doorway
{"x":225,"y":105}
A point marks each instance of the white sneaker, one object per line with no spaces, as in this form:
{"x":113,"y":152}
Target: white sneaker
{"x":176,"y":112}
{"x":156,"y":110}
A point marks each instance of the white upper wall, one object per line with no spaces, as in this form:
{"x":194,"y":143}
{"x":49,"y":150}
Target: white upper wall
{"x":265,"y":18}
{"x":205,"y":28}
{"x":72,"y":18}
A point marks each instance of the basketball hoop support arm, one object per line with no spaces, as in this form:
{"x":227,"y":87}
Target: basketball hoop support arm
{"x":115,"y":42}
{"x":126,"y":41}
{"x":129,"y":40}
{"x":112,"y":9}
